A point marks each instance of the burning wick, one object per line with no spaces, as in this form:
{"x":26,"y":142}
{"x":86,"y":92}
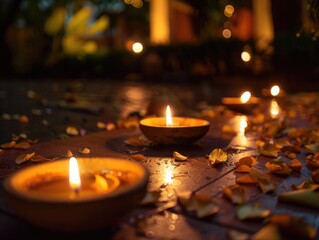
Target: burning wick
{"x":169,"y":121}
{"x":275,"y":90}
{"x":74,"y":175}
{"x":245,"y":97}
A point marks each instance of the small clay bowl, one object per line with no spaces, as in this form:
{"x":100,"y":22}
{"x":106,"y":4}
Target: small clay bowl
{"x":76,"y":215}
{"x":183,"y":131}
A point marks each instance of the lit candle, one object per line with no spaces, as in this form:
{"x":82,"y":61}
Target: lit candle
{"x":245,"y":97}
{"x":173,"y":130}
{"x":275,"y":90}
{"x":244,"y":104}
{"x":74,"y":175}
{"x":44,"y":194}
{"x":169,"y":120}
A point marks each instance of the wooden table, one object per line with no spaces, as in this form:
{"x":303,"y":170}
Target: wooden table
{"x":164,"y":220}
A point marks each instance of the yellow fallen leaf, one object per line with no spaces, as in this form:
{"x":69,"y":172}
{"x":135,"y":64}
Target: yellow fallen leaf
{"x":268,"y":232}
{"x":199,"y":204}
{"x":251,"y":211}
{"x":24,"y":157}
{"x":248,"y":160}
{"x":246,"y":179}
{"x":84,"y":150}
{"x":242,"y":169}
{"x":217,"y":156}
{"x":179,"y":157}
{"x":73,"y":131}
{"x":22,"y":145}
{"x":8,"y":145}
{"x":269,"y":150}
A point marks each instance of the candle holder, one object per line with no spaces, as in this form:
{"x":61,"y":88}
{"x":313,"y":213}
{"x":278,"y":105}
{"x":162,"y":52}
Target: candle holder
{"x":182,"y":131}
{"x":28,"y":194}
{"x":236,"y":104}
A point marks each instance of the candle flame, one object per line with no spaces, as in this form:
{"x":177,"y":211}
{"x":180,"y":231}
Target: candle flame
{"x":169,"y":120}
{"x":275,"y":90}
{"x":245,"y":97}
{"x":74,"y":175}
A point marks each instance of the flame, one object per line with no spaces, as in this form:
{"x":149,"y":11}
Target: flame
{"x":169,"y":120}
{"x":275,"y":90}
{"x":245,"y":97}
{"x":74,"y":175}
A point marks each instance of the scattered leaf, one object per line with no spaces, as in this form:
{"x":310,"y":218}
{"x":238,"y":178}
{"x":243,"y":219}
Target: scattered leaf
{"x":68,"y":154}
{"x":84,"y":150}
{"x":217,"y":156}
{"x":242,"y":169}
{"x":279,"y":168}
{"x":8,"y":144}
{"x":304,"y":197}
{"x":269,"y":231}
{"x":295,"y":165}
{"x":269,"y":150}
{"x":39,"y":158}
{"x":73,"y":131}
{"x":235,"y":193}
{"x":249,"y":161}
{"x":246,"y":179}
{"x":199,"y":204}
{"x":22,"y":145}
{"x":291,"y":155}
{"x":24,"y":157}
{"x":179,"y":157}
{"x":251,"y":211}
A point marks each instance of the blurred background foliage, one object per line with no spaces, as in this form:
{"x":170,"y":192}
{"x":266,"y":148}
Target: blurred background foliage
{"x":94,"y":38}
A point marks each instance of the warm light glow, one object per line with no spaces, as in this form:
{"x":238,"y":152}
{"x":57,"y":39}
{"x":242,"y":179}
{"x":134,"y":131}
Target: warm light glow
{"x":168,"y":175}
{"x":274,"y":109}
{"x":245,"y":97}
{"x":229,"y":10}
{"x":159,"y":21}
{"x":245,"y":56}
{"x":137,"y":47}
{"x":275,"y":90}
{"x":169,"y":120}
{"x":226,"y":33}
{"x":74,"y":175}
{"x":242,"y":125}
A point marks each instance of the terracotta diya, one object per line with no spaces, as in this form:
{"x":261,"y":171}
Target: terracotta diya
{"x":174,"y":130}
{"x":97,"y":194}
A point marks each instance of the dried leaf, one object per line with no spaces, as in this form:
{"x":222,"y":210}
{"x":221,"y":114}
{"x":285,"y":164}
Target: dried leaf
{"x":295,"y":165}
{"x":151,"y":198}
{"x":8,"y":144}
{"x":251,"y":211}
{"x":246,"y":179}
{"x":24,"y":157}
{"x":84,"y":150}
{"x":242,"y":169}
{"x":249,"y":161}
{"x":304,"y":197}
{"x":265,"y":185}
{"x":291,"y":155}
{"x":269,"y":231}
{"x":200,"y":204}
{"x":138,"y":157}
{"x":217,"y":156}
{"x":73,"y":131}
{"x":269,"y":150}
{"x":279,"y":168}
{"x":39,"y":158}
{"x":22,"y":145}
{"x":293,"y":226}
{"x":312,"y":147}
{"x":68,"y":154}
{"x":235,"y":193}
{"x":179,"y":157}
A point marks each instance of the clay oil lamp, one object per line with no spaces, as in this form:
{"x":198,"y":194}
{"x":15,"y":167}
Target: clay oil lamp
{"x":243,"y":104}
{"x":171,"y":130}
{"x":77,"y":194}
